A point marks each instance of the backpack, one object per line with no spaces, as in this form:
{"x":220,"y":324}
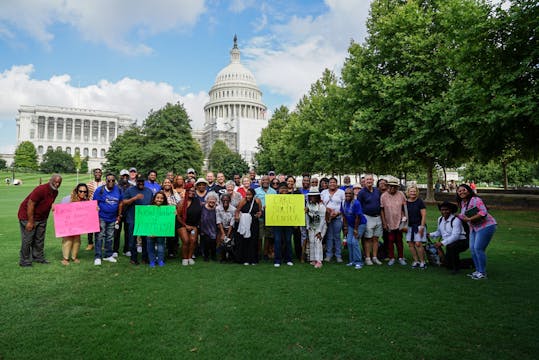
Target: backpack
{"x":465,"y":226}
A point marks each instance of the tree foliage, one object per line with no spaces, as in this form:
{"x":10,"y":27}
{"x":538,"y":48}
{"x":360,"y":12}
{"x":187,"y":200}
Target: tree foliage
{"x":3,"y":164}
{"x":222,"y":159}
{"x":57,"y":161}
{"x":26,"y":156}
{"x":163,"y":143}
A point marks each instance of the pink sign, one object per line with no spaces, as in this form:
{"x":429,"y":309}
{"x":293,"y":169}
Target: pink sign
{"x":76,"y":218}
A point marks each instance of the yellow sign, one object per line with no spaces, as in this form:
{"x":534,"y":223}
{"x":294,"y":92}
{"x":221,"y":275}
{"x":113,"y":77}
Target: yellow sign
{"x":285,"y":210}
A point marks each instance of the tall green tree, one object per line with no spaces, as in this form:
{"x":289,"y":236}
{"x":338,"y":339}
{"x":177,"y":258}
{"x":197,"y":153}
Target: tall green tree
{"x":3,"y":164}
{"x":163,"y":143}
{"x":26,"y":156}
{"x":222,"y":159}
{"x":57,"y":161}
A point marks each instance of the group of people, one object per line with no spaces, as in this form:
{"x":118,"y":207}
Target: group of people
{"x":225,"y":220}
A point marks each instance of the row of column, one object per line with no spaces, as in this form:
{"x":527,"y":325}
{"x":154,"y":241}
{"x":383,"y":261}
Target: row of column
{"x":46,"y":123}
{"x":235,"y":110}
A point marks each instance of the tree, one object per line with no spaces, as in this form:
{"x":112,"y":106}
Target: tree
{"x":57,"y":161}
{"x":163,"y":143}
{"x":3,"y":164}
{"x":222,"y":159}
{"x":272,"y":146}
{"x":26,"y":156}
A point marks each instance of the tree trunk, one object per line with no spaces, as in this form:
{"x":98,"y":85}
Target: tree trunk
{"x":445,"y":176}
{"x":504,"y":171}
{"x":430,"y":182}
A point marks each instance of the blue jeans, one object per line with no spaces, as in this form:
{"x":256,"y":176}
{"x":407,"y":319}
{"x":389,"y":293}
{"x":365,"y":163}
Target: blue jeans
{"x":105,"y":235}
{"x":479,"y":241}
{"x":354,"y":250}
{"x":160,"y":241}
{"x":334,"y":238}
{"x":133,"y":243}
{"x":281,"y":233}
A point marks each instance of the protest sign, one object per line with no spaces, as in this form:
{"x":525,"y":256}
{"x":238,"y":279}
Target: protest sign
{"x":76,"y":218}
{"x":153,"y":220}
{"x":285,"y":210}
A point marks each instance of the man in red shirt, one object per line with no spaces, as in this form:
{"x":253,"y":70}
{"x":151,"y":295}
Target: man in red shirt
{"x":33,"y":214}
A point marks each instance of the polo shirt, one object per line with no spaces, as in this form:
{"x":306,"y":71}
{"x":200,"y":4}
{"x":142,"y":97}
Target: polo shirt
{"x":370,"y":201}
{"x":131,"y":193}
{"x":43,"y":196}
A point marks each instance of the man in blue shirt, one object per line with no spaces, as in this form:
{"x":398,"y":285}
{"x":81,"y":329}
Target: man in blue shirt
{"x":369,"y":197}
{"x":109,"y":201}
{"x":136,"y":195}
{"x":152,"y":183}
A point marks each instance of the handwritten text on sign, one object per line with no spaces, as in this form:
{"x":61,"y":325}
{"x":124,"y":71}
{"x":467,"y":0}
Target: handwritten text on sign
{"x":75,"y":218}
{"x":285,"y":210}
{"x":152,"y":220}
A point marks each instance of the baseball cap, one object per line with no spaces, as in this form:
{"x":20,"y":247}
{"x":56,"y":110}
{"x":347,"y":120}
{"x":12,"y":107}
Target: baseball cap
{"x":124,"y":172}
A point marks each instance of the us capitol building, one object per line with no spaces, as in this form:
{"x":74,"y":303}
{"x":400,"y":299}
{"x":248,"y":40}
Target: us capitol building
{"x":235,"y":113}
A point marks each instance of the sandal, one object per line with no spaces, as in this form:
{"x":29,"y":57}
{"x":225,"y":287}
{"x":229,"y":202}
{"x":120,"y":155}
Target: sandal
{"x":76,"y":260}
{"x":65,"y":262}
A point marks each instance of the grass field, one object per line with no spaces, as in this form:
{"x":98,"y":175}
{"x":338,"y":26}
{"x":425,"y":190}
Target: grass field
{"x":210,"y":310}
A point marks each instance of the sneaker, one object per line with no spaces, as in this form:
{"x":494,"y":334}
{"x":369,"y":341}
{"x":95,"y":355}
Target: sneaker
{"x":127,"y":253}
{"x":472,"y":274}
{"x":479,"y":276}
{"x":97,"y":262}
{"x":318,"y":265}
{"x":139,"y":249}
{"x":423,"y":266}
{"x":376,"y":261}
{"x":327,"y":259}
{"x":290,"y":263}
{"x":358,"y":267}
{"x":90,"y":247}
{"x":191,"y":261}
{"x":350,"y":264}
{"x":110,"y":259}
{"x":391,"y":262}
{"x":246,"y":264}
{"x":152,"y":263}
{"x":115,"y":255}
{"x":339,"y":259}
{"x":161,"y":263}
{"x":368,"y":261}
{"x":185,"y":262}
{"x":402,"y":261}
{"x":415,"y":265}
{"x":276,"y":265}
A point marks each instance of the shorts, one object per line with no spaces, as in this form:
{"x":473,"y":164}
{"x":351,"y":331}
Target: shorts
{"x":415,"y":236}
{"x":374,"y":227}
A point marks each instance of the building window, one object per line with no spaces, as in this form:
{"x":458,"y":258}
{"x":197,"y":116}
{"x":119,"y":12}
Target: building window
{"x":60,"y":129}
{"x":68,"y":150}
{"x":86,"y":131}
{"x":40,"y":150}
{"x":78,"y":127}
{"x":49,"y":148}
{"x":103,"y":132}
{"x":95,"y":130}
{"x":94,"y":152}
{"x":58,"y":148}
{"x":50,"y":128}
{"x":77,"y":150}
{"x":103,"y":152}
{"x":112,"y":131}
{"x":32,"y":133}
{"x":85,"y":152}
{"x":41,"y":127}
{"x":69,"y":129}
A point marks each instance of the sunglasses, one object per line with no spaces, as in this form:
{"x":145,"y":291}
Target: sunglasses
{"x":111,"y":180}
{"x":82,"y":191}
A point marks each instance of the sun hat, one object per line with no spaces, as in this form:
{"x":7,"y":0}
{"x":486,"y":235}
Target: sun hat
{"x":313,"y":191}
{"x":201,"y":180}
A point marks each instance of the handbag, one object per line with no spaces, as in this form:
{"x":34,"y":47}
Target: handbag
{"x":244,"y":227}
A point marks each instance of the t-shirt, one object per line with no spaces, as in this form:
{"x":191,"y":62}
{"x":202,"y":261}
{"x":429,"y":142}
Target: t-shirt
{"x":370,"y":201}
{"x":225,"y":217}
{"x":261,"y":194}
{"x":351,"y":210}
{"x":153,"y":186}
{"x":131,"y":193}
{"x":108,"y":202}
{"x":332,"y":201}
{"x":208,"y":222}
{"x":393,"y":208}
{"x":43,"y":196}
{"x":414,"y":212}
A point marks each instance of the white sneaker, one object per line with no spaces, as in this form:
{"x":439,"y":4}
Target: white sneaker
{"x":376,"y":261}
{"x":479,"y":276}
{"x":246,"y":264}
{"x":473,"y":274}
{"x":358,"y":267}
{"x":97,"y":262}
{"x":368,"y":261}
{"x":327,"y":259}
{"x":110,"y":259}
{"x":191,"y":261}
{"x":276,"y":265}
{"x":402,"y":261}
{"x":339,"y":259}
{"x":115,"y":255}
{"x":185,"y":262}
{"x":290,"y":263}
{"x":139,"y":249}
{"x":391,"y":262}
{"x":127,"y":253}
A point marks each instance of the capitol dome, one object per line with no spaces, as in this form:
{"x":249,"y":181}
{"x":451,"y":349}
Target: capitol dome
{"x":235,"y":112}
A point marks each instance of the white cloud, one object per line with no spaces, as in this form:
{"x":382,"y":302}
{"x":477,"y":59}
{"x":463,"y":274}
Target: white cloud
{"x":295,"y":53}
{"x":238,"y":6}
{"x":102,"y":21}
{"x":130,"y":96}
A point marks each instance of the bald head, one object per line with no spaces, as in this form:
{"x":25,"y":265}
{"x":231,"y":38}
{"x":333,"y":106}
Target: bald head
{"x":55,"y":181}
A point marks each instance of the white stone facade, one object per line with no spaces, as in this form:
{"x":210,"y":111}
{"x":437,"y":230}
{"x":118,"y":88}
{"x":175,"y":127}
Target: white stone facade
{"x":72,"y":130}
{"x":235,"y":112}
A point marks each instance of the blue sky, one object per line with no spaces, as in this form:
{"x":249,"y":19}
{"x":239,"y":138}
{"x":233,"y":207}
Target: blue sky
{"x":131,"y":56}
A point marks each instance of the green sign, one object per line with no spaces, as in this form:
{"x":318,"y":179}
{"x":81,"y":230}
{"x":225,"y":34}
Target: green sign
{"x":153,"y":220}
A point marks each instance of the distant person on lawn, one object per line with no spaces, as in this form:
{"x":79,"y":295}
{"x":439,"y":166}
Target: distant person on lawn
{"x":33,"y":214}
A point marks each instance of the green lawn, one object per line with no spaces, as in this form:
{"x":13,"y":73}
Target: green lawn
{"x":234,"y":312}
